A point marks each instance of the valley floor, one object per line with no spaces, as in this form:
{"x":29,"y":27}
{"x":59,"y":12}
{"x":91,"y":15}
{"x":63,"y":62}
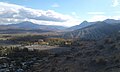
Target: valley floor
{"x":87,"y":56}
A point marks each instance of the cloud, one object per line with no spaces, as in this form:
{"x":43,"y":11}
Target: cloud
{"x":115,"y":3}
{"x":12,"y":13}
{"x":96,"y":13}
{"x":55,"y":5}
{"x":97,"y":18}
{"x":69,"y":23}
{"x":20,"y":12}
{"x":103,"y":17}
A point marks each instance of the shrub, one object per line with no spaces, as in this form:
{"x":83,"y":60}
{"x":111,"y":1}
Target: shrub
{"x":100,"y":60}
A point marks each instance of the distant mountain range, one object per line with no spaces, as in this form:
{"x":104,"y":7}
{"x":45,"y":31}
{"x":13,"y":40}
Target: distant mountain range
{"x":85,"y":24}
{"x":94,"y":30}
{"x":85,"y":30}
{"x":29,"y":25}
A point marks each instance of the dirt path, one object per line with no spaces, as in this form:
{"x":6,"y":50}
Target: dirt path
{"x":53,"y":49}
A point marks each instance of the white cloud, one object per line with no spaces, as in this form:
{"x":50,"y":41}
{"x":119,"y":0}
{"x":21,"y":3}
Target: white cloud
{"x":115,"y":3}
{"x":55,"y":5}
{"x":15,"y":11}
{"x":96,"y":13}
{"x":102,"y":17}
{"x":97,"y":18}
{"x":116,"y":17}
{"x":12,"y":13}
{"x":69,"y":23}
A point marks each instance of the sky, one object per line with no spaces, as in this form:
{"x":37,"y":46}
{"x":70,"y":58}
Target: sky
{"x":58,"y":12}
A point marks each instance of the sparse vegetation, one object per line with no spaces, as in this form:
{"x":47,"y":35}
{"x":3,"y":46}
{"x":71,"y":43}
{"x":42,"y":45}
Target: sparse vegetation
{"x":51,"y":53}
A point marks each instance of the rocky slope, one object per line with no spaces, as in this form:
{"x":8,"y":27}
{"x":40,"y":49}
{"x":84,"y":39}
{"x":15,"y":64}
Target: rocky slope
{"x":89,"y":56}
{"x":93,"y":32}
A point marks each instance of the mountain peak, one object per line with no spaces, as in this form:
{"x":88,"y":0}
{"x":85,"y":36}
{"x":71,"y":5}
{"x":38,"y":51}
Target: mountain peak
{"x":82,"y":25}
{"x":26,"y":22}
{"x":108,"y":19}
{"x":111,"y":21}
{"x":84,"y":22}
